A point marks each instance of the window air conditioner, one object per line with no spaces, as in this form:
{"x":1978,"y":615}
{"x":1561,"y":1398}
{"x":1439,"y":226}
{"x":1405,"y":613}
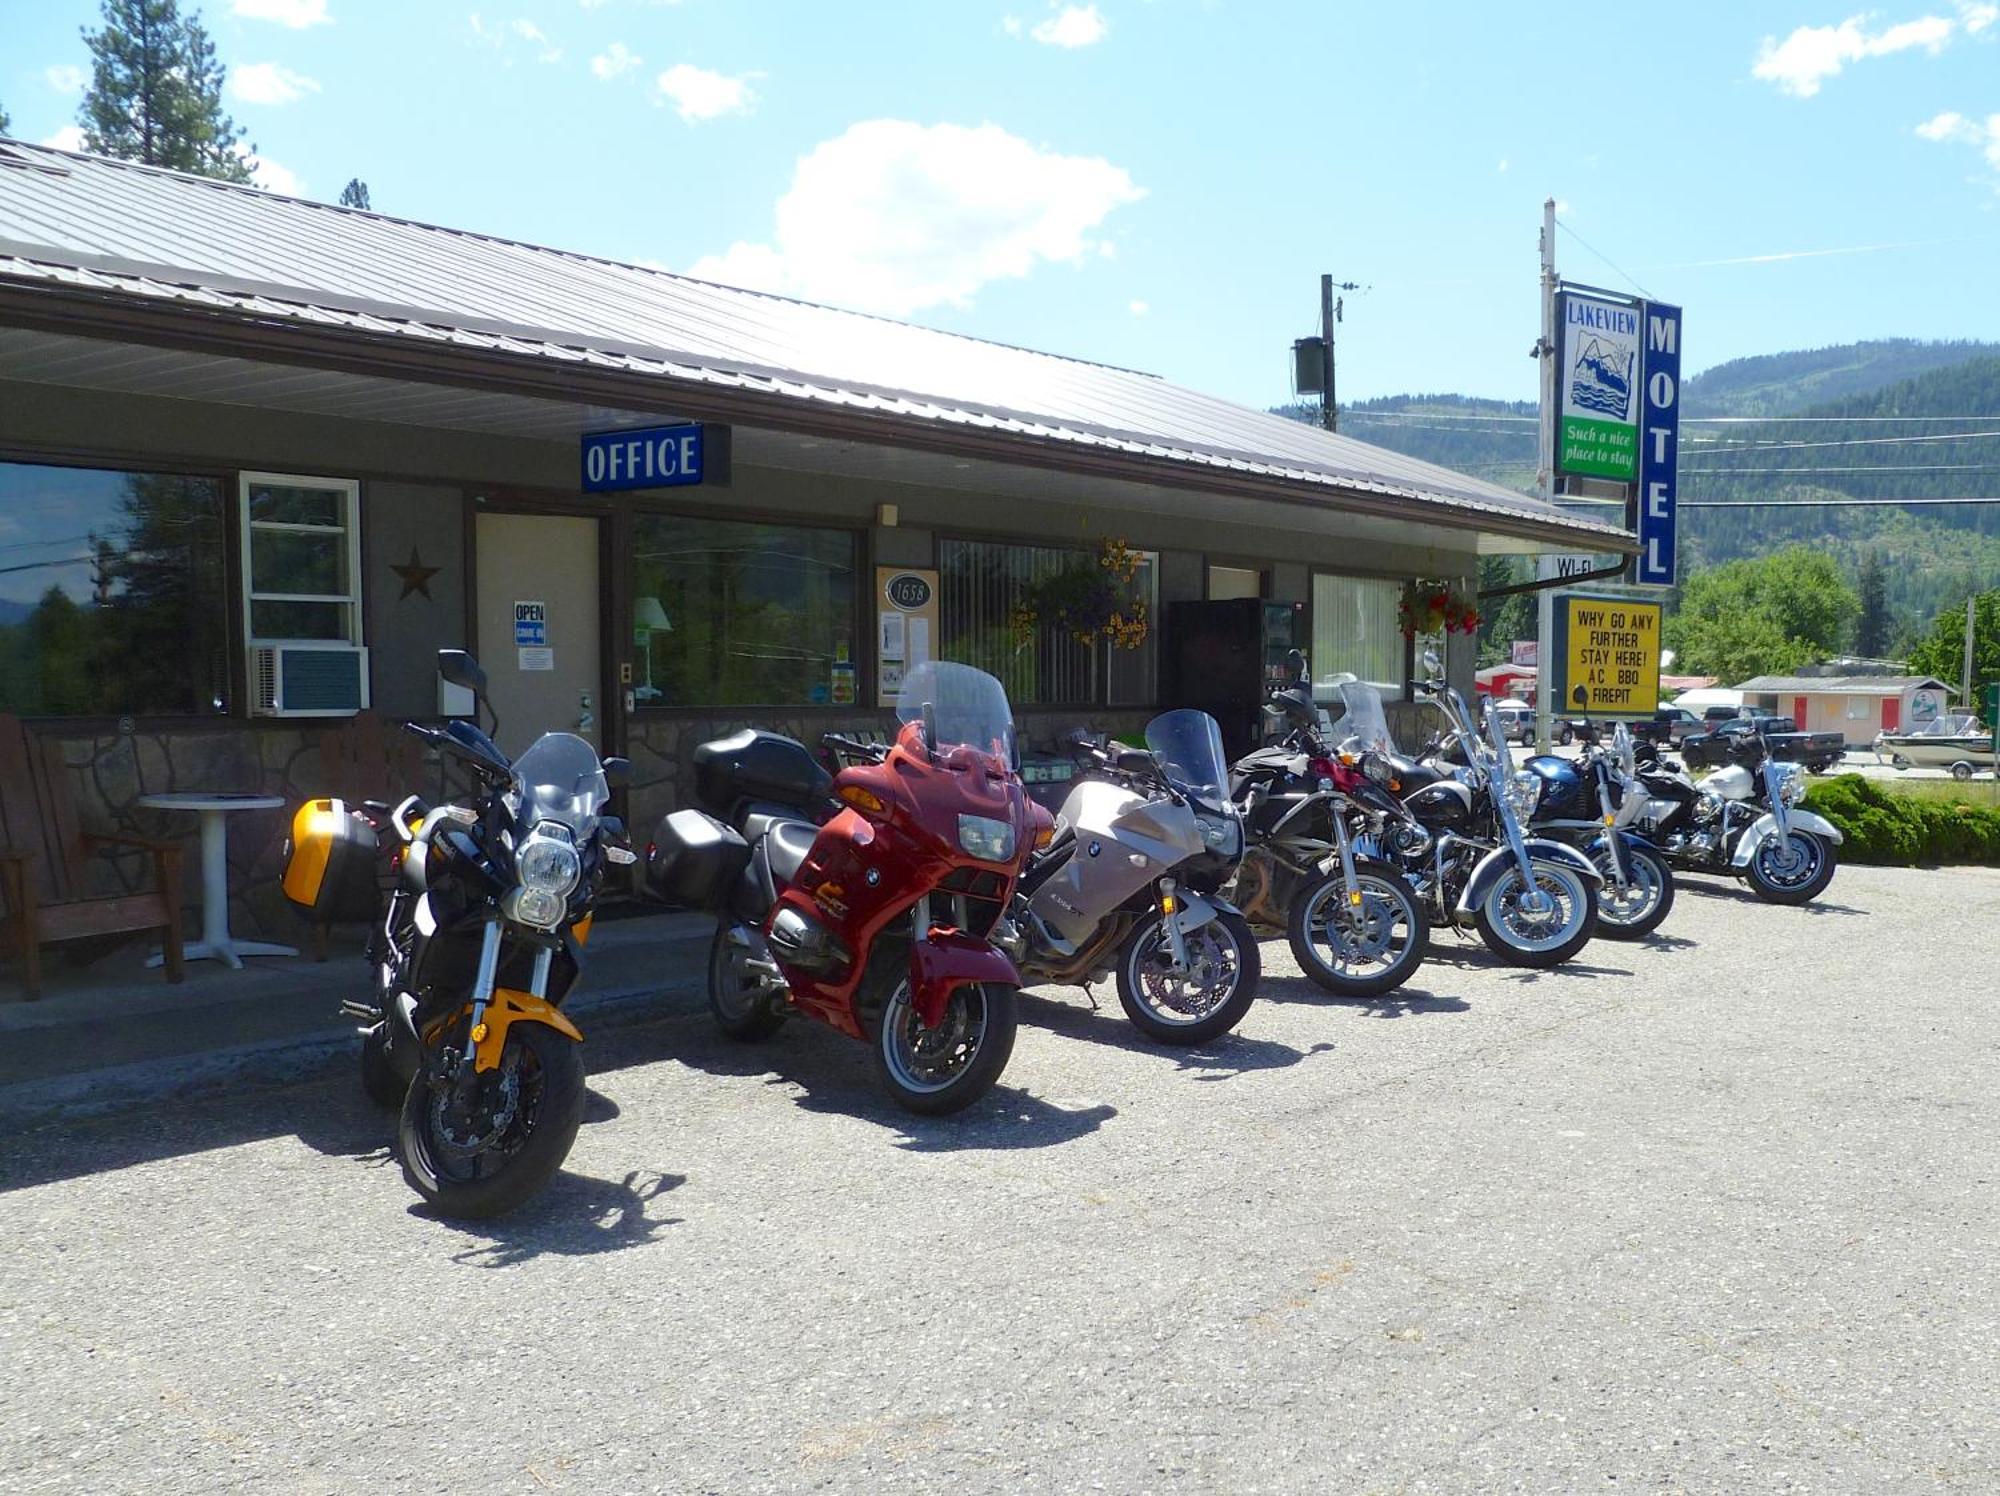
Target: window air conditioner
{"x":307,"y":680}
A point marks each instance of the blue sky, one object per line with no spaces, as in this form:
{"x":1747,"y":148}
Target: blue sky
{"x":1158,"y":183}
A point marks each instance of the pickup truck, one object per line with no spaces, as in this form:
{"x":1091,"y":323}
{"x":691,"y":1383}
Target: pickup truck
{"x":1818,"y":751}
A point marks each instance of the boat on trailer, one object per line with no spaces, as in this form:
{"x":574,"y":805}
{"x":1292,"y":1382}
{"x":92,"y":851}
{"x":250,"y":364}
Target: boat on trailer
{"x":1951,"y":740}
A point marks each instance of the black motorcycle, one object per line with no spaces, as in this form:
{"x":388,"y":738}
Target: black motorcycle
{"x":1592,"y":804}
{"x":1743,"y":821}
{"x":1354,"y":924}
{"x":484,"y":909}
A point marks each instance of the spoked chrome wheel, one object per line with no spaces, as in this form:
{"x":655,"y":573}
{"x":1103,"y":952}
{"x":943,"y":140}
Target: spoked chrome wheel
{"x":1791,"y":869}
{"x":1636,"y":910}
{"x":951,"y":1064}
{"x":1542,"y":922}
{"x":1191,"y":1003}
{"x":1364,"y":949}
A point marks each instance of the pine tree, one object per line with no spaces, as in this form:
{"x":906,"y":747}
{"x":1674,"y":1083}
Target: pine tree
{"x":354,"y":194}
{"x":155,"y":93}
{"x":1871,"y":628}
{"x":5,"y":122}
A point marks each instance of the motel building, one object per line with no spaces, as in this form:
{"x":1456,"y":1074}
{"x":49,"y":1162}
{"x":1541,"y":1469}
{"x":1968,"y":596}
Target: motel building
{"x":260,"y":459}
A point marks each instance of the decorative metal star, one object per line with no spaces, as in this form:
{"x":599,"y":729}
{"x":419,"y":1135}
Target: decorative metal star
{"x":416,"y":576}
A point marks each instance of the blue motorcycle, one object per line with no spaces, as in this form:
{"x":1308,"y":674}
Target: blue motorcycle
{"x":1595,"y":804}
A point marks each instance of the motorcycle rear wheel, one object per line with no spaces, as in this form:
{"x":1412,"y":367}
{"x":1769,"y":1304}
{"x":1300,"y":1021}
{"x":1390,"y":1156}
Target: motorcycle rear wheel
{"x":1227,"y":961}
{"x":743,"y":1010}
{"x":1650,"y":901}
{"x":545,"y":1070}
{"x":1501,"y":923}
{"x":941,"y":1070}
{"x":1358,"y":954}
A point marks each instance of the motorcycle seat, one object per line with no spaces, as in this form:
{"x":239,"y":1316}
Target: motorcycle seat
{"x":786,"y":844}
{"x":1414,"y":774}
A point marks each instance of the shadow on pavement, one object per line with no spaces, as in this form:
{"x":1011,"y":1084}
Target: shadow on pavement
{"x":1658,"y":942}
{"x":1230,"y":1055}
{"x":1404,"y":1002}
{"x":1736,"y":892}
{"x":576,"y":1216}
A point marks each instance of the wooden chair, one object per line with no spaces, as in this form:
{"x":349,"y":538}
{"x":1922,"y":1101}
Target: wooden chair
{"x":366,"y":758}
{"x":45,"y":859}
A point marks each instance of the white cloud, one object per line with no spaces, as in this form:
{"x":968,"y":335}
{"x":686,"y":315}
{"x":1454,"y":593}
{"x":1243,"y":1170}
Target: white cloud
{"x":1137,"y":308}
{"x":272,"y":177}
{"x":501,"y":35}
{"x":615,"y":59}
{"x":698,"y":94}
{"x":1953,"y":128}
{"x":1010,"y":25}
{"x":68,"y":138}
{"x":892,"y":216}
{"x":1800,"y":63}
{"x":1977,"y":17}
{"x":269,"y":83}
{"x":1502,"y":167}
{"x":65,"y":77}
{"x":1073,"y":26}
{"x":297,"y":14}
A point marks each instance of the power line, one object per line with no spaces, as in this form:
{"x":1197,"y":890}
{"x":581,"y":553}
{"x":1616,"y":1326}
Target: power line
{"x":1872,"y":467}
{"x":1604,"y":257}
{"x":1769,"y":504}
{"x":1809,"y":420}
{"x":1851,"y":441}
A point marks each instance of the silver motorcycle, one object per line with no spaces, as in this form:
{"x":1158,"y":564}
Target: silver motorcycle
{"x":1131,"y":884}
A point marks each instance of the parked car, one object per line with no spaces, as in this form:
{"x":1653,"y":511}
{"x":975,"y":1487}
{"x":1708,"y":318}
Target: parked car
{"x":1517,"y":720}
{"x":1818,"y":751}
{"x":1670,"y":725}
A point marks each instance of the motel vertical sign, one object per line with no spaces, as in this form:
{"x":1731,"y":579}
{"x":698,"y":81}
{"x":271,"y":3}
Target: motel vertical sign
{"x":1659,"y":444}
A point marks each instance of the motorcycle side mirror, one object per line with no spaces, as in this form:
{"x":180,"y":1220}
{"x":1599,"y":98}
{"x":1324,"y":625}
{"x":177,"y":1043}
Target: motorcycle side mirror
{"x":618,"y":772}
{"x":1580,"y":696}
{"x":461,"y":669}
{"x":1295,"y":665}
{"x":1135,"y":761}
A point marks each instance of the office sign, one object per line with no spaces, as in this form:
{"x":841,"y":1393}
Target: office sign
{"x":1597,"y":371}
{"x":655,"y":457}
{"x":1608,"y":649}
{"x":1659,"y":446}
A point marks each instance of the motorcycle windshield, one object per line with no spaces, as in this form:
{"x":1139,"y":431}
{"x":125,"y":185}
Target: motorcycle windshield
{"x":560,"y":779}
{"x":1188,"y":745}
{"x":1497,"y":745}
{"x":1359,"y":723}
{"x":968,"y":708}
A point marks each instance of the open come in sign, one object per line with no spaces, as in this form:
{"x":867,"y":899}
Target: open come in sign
{"x":1611,"y":656}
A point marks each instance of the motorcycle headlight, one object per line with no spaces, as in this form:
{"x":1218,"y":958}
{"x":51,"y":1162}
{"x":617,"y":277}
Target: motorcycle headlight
{"x":985,"y":838}
{"x":547,"y":864}
{"x":1221,"y":834}
{"x":534,"y":906}
{"x":1791,"y":784}
{"x":1524,"y":792}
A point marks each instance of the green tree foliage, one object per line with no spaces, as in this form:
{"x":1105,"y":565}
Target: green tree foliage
{"x":155,"y":93}
{"x":1502,"y":620}
{"x":354,"y":194}
{"x":1941,"y":649}
{"x":5,"y":123}
{"x":1753,"y":617}
{"x":1778,"y":384}
{"x":1873,"y":627}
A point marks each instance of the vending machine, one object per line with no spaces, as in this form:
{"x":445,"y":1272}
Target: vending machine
{"x":1225,"y":658}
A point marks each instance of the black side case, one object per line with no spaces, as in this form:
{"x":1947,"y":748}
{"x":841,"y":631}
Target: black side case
{"x":694,"y":860}
{"x":754,"y":765}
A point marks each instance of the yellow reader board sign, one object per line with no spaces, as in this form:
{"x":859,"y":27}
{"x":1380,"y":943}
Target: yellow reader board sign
{"x":1611,"y":656}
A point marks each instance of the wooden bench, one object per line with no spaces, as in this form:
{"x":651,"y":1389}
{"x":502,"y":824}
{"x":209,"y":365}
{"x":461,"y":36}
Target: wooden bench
{"x":45,"y":865}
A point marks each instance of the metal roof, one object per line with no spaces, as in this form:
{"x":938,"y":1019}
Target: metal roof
{"x":1838,"y":685}
{"x":141,"y":242}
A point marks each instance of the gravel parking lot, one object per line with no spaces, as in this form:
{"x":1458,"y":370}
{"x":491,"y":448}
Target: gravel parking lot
{"x":1716,"y":1213}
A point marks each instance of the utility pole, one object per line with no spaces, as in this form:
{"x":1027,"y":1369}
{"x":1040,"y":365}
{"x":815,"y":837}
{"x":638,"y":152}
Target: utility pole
{"x":1545,"y":482}
{"x":1329,"y":318}
{"x":1965,"y":678}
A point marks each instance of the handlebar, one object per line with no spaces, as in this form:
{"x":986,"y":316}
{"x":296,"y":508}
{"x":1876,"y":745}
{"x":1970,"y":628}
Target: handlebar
{"x":873,"y":752}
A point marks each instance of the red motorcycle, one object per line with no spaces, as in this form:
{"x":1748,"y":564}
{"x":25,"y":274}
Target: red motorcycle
{"x":869,"y":899}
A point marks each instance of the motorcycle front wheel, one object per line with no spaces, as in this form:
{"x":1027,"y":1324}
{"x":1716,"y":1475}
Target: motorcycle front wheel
{"x":1791,"y":869}
{"x":1206,"y":1000}
{"x":1364,"y":951}
{"x":1540,"y":925}
{"x":490,"y":1154}
{"x":940,"y":1070}
{"x":1634,"y":912}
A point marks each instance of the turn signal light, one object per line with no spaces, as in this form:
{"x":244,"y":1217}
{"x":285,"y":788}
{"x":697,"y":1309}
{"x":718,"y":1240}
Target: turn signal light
{"x":1167,"y":904}
{"x":1044,"y":836}
{"x":862,"y":799}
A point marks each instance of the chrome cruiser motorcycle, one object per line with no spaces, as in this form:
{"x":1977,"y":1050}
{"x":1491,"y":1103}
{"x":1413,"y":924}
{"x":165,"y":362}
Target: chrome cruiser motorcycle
{"x":1467,"y":852}
{"x":1594,"y":804}
{"x":1130,"y":883}
{"x":1742,"y":821}
{"x":484,"y":911}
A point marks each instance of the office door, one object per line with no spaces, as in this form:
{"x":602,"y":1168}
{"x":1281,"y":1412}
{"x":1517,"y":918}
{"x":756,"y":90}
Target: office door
{"x":540,"y":611}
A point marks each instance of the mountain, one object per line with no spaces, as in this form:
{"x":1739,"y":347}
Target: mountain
{"x":1785,"y":383}
{"x":1890,"y":419}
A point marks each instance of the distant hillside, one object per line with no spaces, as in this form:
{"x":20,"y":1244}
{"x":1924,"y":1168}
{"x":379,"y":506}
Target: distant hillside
{"x":1774,"y":384}
{"x":1490,"y":439}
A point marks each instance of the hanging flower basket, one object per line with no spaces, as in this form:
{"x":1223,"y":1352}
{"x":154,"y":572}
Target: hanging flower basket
{"x":1431,"y":607}
{"x":1090,"y":599}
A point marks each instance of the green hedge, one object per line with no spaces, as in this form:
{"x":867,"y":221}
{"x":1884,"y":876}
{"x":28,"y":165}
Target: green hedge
{"x":1882,"y":826}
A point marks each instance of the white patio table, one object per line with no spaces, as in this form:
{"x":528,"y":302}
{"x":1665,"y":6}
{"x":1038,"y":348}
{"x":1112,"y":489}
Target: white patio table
{"x":216,"y":943}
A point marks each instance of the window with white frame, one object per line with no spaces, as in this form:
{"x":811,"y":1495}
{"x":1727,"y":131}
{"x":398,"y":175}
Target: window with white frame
{"x":301,"y":559}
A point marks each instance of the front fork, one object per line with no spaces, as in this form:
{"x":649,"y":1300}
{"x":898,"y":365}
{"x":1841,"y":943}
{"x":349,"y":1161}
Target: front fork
{"x":1176,"y":941}
{"x":483,"y":982}
{"x":1344,"y":843}
{"x":1619,"y":875}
